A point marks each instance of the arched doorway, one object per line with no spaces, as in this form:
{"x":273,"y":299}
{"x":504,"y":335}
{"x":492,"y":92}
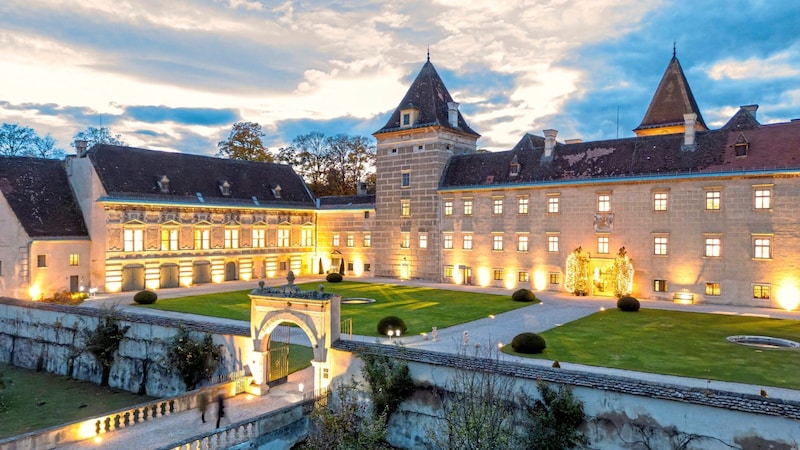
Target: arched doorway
{"x":201,"y":272}
{"x":169,"y":276}
{"x":231,"y":272}
{"x":133,"y":277}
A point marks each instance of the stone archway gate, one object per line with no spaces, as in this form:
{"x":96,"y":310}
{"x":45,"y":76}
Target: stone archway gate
{"x":316,"y":313}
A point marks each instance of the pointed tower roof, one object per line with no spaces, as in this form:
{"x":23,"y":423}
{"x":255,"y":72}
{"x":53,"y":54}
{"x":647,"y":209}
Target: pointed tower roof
{"x":673,"y":98}
{"x":430,"y":97}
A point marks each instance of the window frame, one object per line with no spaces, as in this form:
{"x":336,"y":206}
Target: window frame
{"x":523,"y":243}
{"x":713,"y":198}
{"x":169,"y":239}
{"x":712,"y":246}
{"x":603,"y":243}
{"x":761,"y":242}
{"x":423,"y":241}
{"x":661,"y":245}
{"x":762,"y":197}
{"x":134,"y":243}
{"x":447,"y":241}
{"x":497,"y":242}
{"x":553,"y":244}
{"x":553,"y":204}
{"x":497,"y":206}
{"x":447,"y":207}
{"x":468,"y":206}
{"x":202,"y":238}
{"x":604,"y":202}
{"x":467,"y":242}
{"x":660,"y":201}
{"x":523,"y":204}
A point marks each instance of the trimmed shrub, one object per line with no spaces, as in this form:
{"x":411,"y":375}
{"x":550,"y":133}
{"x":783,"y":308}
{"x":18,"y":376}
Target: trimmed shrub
{"x":145,"y":297}
{"x":334,"y":278}
{"x":523,"y":295}
{"x":628,"y":304}
{"x":529,"y":343}
{"x":391,"y":323}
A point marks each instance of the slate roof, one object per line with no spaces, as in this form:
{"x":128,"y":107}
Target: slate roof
{"x":673,"y":98}
{"x":339,"y":201}
{"x":774,"y":146}
{"x":39,"y":194}
{"x":129,"y":173}
{"x":428,"y":94}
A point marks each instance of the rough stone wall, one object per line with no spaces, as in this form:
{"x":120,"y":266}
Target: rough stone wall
{"x":42,"y":336}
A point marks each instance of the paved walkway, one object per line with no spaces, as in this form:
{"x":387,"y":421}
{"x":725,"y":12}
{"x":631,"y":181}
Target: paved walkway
{"x":555,"y":309}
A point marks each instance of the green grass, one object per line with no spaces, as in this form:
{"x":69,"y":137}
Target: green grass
{"x":300,"y":357}
{"x":677,"y":343}
{"x":421,"y":308}
{"x":35,"y":400}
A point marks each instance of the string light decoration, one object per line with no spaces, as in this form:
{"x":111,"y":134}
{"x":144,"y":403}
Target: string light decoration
{"x":576,"y":279}
{"x":623,"y":274}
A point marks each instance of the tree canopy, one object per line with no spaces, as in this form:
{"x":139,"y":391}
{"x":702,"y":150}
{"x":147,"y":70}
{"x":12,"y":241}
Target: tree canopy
{"x":244,"y":142}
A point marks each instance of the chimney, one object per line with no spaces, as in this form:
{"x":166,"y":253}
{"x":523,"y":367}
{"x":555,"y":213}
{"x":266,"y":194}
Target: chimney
{"x":452,"y":114}
{"x":163,"y":184}
{"x":549,"y":143}
{"x":80,"y":147}
{"x":751,"y":109}
{"x":690,"y":120}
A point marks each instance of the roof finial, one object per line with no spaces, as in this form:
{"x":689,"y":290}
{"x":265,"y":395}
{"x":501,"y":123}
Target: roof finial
{"x":673,"y":48}
{"x":429,"y":53}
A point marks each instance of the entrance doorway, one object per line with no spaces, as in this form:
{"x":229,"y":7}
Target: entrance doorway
{"x":230,"y":272}
{"x":133,"y":277}
{"x":201,"y":272}
{"x":168,"y":276}
{"x":602,"y":276}
{"x":74,"y":281}
{"x":278,"y":355}
{"x":466,"y":275}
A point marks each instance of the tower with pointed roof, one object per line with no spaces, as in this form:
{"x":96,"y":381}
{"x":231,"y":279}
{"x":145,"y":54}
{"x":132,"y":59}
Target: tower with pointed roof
{"x":413,"y":149}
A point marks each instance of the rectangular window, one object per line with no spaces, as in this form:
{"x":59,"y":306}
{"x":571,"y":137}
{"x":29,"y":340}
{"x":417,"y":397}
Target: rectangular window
{"x":522,"y":205}
{"x":602,"y":244}
{"x":351,"y":240}
{"x":713,"y":247}
{"x":552,"y":244}
{"x":762,"y":198}
{"x":423,"y":241}
{"x":202,"y":239}
{"x":761,"y":291}
{"x":497,"y":206}
{"x":259,"y":237}
{"x":467,"y":242}
{"x":522,"y":276}
{"x":169,"y":239}
{"x":712,"y":289}
{"x":660,"y":201}
{"x":554,"y":278}
{"x":41,"y":260}
{"x":522,"y":243}
{"x":498,"y":274}
{"x":448,"y":241}
{"x":336,"y":240}
{"x":497,"y":242}
{"x":603,"y":203}
{"x":133,"y":240}
{"x":660,"y":285}
{"x":448,"y":207}
{"x":231,"y":238}
{"x":283,"y":237}
{"x":406,"y":119}
{"x":405,"y":208}
{"x":468,"y":207}
{"x":762,"y":247}
{"x":74,"y":259}
{"x":367,"y":267}
{"x":367,"y":240}
{"x":283,"y":265}
{"x":366,"y":214}
{"x":307,"y":237}
{"x":350,"y":266}
{"x":553,"y":204}
{"x":405,"y":179}
{"x":448,"y":271}
{"x":405,"y":240}
{"x":713,"y":197}
{"x":661,"y":245}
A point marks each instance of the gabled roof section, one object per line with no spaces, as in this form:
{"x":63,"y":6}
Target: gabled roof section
{"x":39,"y":194}
{"x":347,"y":201}
{"x":429,"y":95}
{"x":129,"y":173}
{"x":673,"y":98}
{"x":744,"y":119}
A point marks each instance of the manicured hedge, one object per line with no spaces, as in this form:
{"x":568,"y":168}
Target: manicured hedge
{"x":529,"y":343}
{"x":145,"y":297}
{"x":523,"y":295}
{"x":628,"y":304}
{"x":391,"y":323}
{"x":334,"y":278}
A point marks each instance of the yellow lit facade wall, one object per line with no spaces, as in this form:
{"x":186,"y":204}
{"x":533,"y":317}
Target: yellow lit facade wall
{"x":354,"y":229}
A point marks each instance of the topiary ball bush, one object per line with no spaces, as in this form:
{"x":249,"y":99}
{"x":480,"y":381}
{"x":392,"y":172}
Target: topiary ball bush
{"x":528,"y":343}
{"x":334,"y":278}
{"x":523,"y":295}
{"x":391,"y":323}
{"x":628,"y":304}
{"x":145,"y":297}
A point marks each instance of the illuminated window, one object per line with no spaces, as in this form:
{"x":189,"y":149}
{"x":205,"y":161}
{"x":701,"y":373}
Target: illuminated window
{"x":423,"y":241}
{"x":713,"y":197}
{"x":554,"y":278}
{"x":405,"y":240}
{"x":448,"y":241}
{"x":660,"y":285}
{"x":307,"y":237}
{"x":74,"y":259}
{"x":522,"y":243}
{"x":169,"y":239}
{"x":497,"y":242}
{"x":522,"y":205}
{"x":448,"y":271}
{"x":553,"y":204}
{"x":467,"y":242}
{"x":497,"y":206}
{"x":713,"y":247}
{"x":660,"y":201}
{"x":41,"y":260}
{"x":351,"y":240}
{"x":405,"y":208}
{"x":259,"y":237}
{"x":202,"y":239}
{"x":602,"y":244}
{"x":761,"y":291}
{"x":405,"y":179}
{"x":367,"y":240}
{"x":661,"y":245}
{"x":762,"y":247}
{"x":231,"y":238}
{"x":762,"y":198}
{"x":468,"y":207}
{"x":336,"y":240}
{"x":133,"y":240}
{"x":283,"y":237}
{"x":712,"y":289}
{"x":552,"y":244}
{"x":522,"y":276}
{"x":603,"y":203}
{"x":448,"y":207}
{"x":498,"y":274}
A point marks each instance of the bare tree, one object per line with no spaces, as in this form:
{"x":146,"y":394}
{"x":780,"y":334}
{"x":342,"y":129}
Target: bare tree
{"x":16,"y":140}
{"x":94,"y":136}
{"x":245,"y":142}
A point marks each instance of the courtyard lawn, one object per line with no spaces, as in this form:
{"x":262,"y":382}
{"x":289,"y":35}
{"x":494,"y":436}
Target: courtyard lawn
{"x":677,"y":343}
{"x":421,"y":308}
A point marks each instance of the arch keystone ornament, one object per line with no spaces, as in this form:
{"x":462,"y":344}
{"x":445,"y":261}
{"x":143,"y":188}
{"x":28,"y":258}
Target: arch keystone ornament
{"x":315,"y":312}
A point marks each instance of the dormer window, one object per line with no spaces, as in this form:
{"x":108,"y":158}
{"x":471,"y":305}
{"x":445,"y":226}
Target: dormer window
{"x":514,"y":167}
{"x":408,"y":116}
{"x":276,"y":191}
{"x":163,"y":184}
{"x":225,"y":188}
{"x":742,"y":146}
{"x":406,"y":119}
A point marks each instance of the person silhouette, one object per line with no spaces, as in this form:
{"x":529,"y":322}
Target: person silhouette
{"x":220,"y":407}
{"x":202,"y":405}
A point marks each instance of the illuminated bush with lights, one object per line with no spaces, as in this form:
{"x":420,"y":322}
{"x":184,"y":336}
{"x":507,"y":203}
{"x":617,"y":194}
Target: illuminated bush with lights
{"x":529,"y":343}
{"x":523,"y":295}
{"x":145,"y":297}
{"x":391,"y":323}
{"x":334,"y":278}
{"x":628,"y":304}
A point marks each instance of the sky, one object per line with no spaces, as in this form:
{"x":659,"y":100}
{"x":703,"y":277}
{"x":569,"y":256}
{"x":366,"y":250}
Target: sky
{"x":175,"y":75}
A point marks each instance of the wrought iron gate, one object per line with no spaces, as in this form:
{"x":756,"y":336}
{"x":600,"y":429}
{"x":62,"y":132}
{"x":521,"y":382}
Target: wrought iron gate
{"x":279,"y":355}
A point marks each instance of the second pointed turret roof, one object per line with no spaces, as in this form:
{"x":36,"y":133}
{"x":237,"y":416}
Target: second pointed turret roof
{"x":673,"y":98}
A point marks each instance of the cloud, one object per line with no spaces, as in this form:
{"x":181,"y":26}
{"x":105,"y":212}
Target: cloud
{"x":781,"y":65}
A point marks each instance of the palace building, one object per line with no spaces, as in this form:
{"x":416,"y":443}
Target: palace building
{"x":697,"y":214}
